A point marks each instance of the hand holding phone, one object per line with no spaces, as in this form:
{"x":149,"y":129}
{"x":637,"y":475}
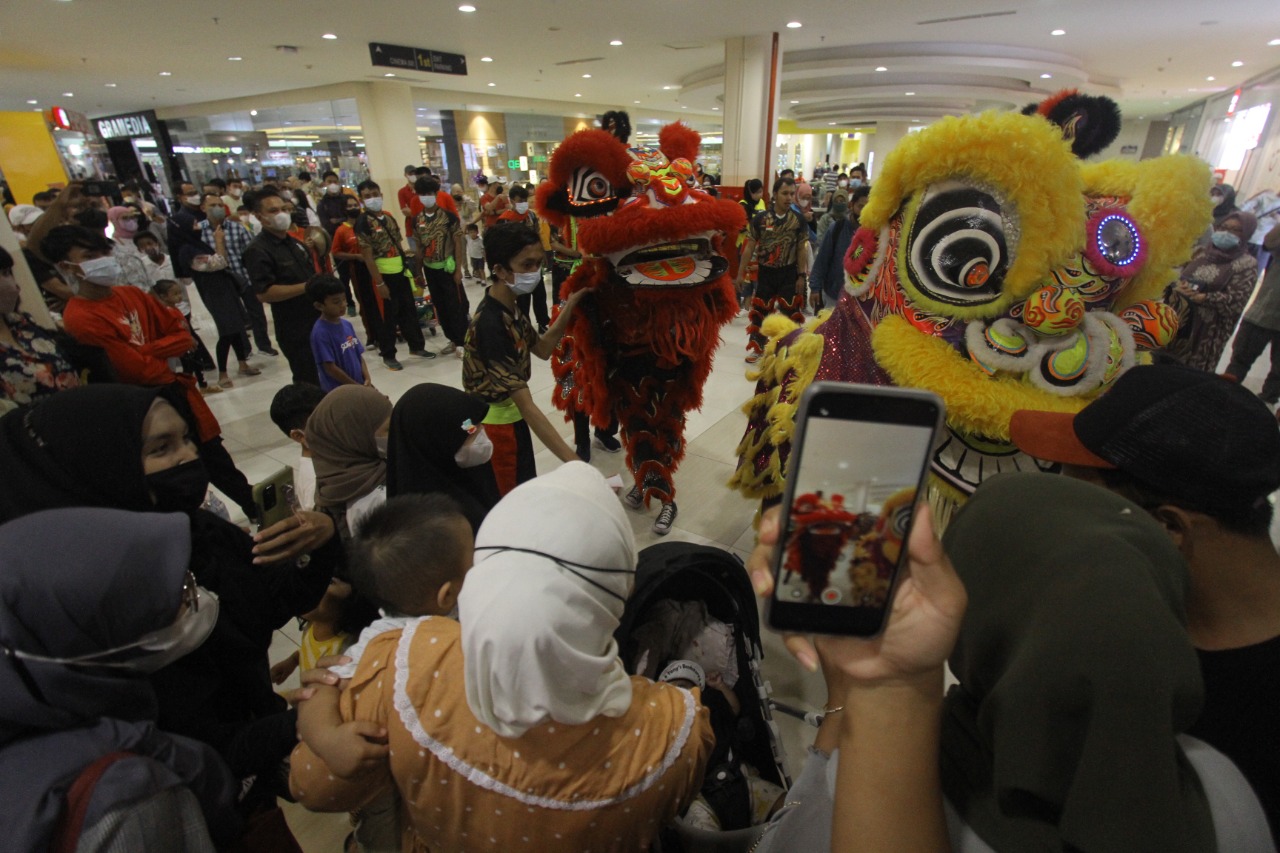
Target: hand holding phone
{"x":859,"y":460}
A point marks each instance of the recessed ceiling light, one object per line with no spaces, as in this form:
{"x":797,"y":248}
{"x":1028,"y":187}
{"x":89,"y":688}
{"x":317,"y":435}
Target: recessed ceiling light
{"x":586,"y":76}
{"x":615,"y":43}
{"x":234,"y":58}
{"x":253,"y":112}
{"x":881,"y":68}
{"x":1274,"y":43}
{"x":466,"y":7}
{"x":909,"y":94}
{"x":1046,"y":76}
{"x":33,"y":101}
{"x":577,"y":94}
{"x":493,"y":84}
{"x":831,"y":124}
{"x":635,"y":102}
{"x":486,"y":59}
{"x":329,"y":36}
{"x":1236,"y":64}
{"x":715,"y":109}
{"x":1210,"y":79}
{"x":1058,"y":33}
{"x":109,"y":85}
{"x":166,"y":73}
{"x":795,"y":102}
{"x":667,"y":88}
{"x":794,"y":25}
{"x":388,"y":74}
{"x":68,"y":94}
{"x":36,"y":110}
{"x":684,"y":108}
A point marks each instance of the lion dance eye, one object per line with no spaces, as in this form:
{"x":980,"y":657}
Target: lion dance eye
{"x":590,"y":185}
{"x":1114,"y":244}
{"x":956,"y":249}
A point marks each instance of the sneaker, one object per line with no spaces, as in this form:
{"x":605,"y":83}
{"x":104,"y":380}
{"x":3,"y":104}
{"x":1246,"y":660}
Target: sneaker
{"x":450,"y":349}
{"x":422,"y":353}
{"x":666,"y":517}
{"x":634,"y":498}
{"x":607,"y":443}
{"x":268,"y":351}
{"x":392,"y":364}
{"x":584,"y":452}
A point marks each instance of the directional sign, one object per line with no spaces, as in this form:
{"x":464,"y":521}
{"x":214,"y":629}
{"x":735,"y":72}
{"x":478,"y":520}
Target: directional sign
{"x":416,"y":59}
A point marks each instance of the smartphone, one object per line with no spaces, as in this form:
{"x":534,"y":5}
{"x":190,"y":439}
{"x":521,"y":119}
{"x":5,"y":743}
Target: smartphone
{"x":110,"y":189}
{"x":858,"y":464}
{"x":274,"y":498}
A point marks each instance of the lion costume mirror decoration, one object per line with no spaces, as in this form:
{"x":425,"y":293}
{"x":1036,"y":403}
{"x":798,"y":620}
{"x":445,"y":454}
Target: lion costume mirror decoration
{"x":998,"y":270}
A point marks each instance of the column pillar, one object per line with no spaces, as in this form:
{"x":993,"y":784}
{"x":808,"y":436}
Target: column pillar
{"x":390,"y":131}
{"x":877,"y":145}
{"x":752,"y":79}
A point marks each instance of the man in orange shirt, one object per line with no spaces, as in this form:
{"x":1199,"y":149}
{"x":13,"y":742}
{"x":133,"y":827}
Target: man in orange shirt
{"x":141,"y":337}
{"x":350,"y":265}
{"x":492,"y":204}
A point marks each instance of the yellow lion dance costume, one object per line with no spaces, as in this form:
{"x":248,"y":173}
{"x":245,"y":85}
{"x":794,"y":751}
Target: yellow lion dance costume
{"x":996,"y":269}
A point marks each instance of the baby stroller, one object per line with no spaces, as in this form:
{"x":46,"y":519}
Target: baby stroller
{"x":684,"y":578}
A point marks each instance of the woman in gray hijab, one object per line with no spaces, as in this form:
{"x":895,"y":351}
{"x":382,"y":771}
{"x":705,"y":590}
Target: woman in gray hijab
{"x":91,"y":602}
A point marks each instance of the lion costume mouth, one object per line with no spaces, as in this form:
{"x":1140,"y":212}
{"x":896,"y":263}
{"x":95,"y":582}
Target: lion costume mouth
{"x":674,"y":263}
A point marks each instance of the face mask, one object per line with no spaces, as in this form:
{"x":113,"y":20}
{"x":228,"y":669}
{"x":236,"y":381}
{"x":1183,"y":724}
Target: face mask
{"x":1225,"y":240}
{"x":281,"y":221}
{"x":373,"y":204}
{"x":522,"y":207}
{"x":353,"y":212}
{"x":155,"y":650}
{"x":193,"y":200}
{"x":457,"y":198}
{"x":857,"y":182}
{"x":181,"y":488}
{"x":332,"y":189}
{"x":381,"y":441}
{"x":526,"y":282}
{"x":234,"y":193}
{"x":428,"y":201}
{"x":569,"y":566}
{"x":477,"y":452}
{"x":127,"y":226}
{"x":105,"y":271}
{"x":1215,"y":199}
{"x":842,"y":183}
{"x":217,"y":214}
{"x":8,"y":294}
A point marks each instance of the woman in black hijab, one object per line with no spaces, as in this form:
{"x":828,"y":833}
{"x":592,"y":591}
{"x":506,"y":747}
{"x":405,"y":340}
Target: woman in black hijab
{"x":437,"y":445}
{"x":128,"y":447}
{"x":79,"y":588}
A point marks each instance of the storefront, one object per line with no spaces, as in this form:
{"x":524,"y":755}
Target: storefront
{"x":83,"y":155}
{"x":139,"y":147}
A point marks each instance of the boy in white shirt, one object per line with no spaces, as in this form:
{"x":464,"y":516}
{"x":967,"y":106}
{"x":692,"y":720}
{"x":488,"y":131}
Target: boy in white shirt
{"x":158,"y":265}
{"x":475,"y":252}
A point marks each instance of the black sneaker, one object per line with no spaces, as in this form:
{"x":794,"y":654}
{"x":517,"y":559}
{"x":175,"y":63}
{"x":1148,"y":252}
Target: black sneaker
{"x":584,"y":452}
{"x":268,"y":351}
{"x":422,"y":353}
{"x":666,"y":517}
{"x":392,"y":364}
{"x":634,"y":498}
{"x":607,"y":443}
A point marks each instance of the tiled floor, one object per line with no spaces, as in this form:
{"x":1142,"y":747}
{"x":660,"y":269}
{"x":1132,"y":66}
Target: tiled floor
{"x":709,"y":513}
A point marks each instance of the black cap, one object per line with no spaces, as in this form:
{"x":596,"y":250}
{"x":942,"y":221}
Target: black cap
{"x":1195,"y":437}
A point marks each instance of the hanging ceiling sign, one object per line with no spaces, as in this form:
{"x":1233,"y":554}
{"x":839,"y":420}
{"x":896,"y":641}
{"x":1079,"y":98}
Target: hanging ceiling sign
{"x":416,"y":59}
{"x":126,"y":126}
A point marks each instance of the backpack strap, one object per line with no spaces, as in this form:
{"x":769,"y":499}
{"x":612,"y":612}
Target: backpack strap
{"x":66,"y":834}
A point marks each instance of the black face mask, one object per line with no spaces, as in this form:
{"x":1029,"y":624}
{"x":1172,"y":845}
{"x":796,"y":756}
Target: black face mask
{"x":181,"y":488}
{"x":352,"y":213}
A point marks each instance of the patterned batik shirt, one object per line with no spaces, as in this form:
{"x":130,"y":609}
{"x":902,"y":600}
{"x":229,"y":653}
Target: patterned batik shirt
{"x":778,"y":238}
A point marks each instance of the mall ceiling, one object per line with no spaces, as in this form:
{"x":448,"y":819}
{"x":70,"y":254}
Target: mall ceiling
{"x":845,"y":64}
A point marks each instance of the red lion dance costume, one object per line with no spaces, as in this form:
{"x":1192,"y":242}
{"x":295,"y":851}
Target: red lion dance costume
{"x":639,"y":348}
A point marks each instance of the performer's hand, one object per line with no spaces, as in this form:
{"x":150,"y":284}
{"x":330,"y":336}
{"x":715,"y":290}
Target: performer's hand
{"x":815,"y":300}
{"x":573,"y":299}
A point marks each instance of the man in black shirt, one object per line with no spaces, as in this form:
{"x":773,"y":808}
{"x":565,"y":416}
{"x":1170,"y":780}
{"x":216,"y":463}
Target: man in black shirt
{"x":1202,"y":455}
{"x":279,"y":267}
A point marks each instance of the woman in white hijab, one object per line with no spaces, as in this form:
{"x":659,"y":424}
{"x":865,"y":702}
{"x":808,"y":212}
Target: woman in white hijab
{"x":521,"y":727}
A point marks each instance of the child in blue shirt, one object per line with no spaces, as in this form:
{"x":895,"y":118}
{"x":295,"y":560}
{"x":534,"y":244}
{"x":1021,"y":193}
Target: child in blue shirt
{"x":338,"y":352}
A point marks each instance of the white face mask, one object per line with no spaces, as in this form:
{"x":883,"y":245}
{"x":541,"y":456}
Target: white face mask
{"x":428,"y":201}
{"x":193,"y":200}
{"x":842,"y":183}
{"x":281,"y":221}
{"x":374,"y":204}
{"x":526,"y":282}
{"x":522,"y":207}
{"x":234,"y":193}
{"x":332,"y":189}
{"x":104,"y":271}
{"x":477,"y":451}
{"x":154,"y":651}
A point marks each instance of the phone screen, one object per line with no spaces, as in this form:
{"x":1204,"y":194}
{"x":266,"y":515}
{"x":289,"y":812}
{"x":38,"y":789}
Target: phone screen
{"x":852,"y":495}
